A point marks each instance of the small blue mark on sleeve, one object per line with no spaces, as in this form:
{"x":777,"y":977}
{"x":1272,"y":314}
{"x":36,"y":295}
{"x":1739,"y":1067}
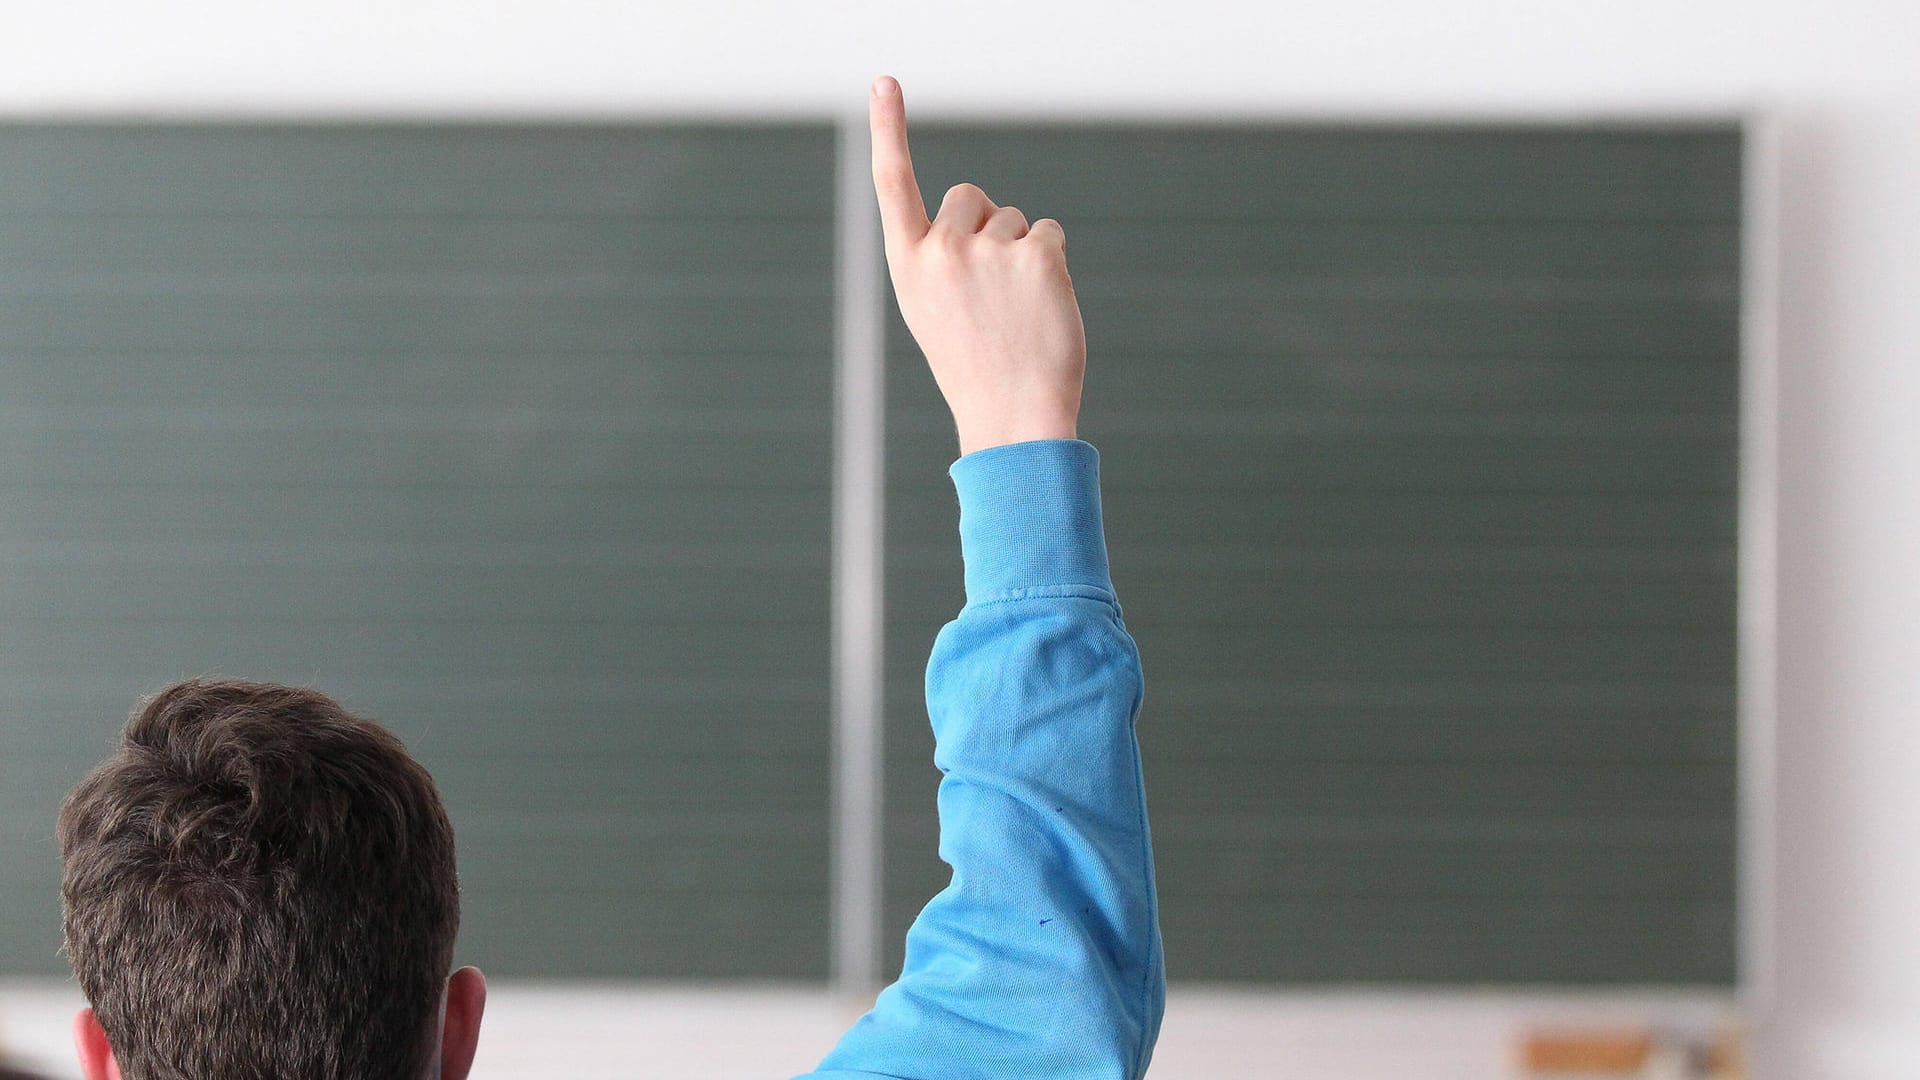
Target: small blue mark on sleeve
{"x":1059,"y":809}
{"x":1044,"y":922}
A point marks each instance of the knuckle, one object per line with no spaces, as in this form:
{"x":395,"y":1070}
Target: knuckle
{"x":946,"y":242}
{"x":1041,"y":254}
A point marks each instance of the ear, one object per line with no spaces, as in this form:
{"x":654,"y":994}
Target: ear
{"x":460,"y":1035}
{"x":90,"y":1040}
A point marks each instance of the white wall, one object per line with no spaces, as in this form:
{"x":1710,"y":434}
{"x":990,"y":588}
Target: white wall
{"x":1840,"y":76}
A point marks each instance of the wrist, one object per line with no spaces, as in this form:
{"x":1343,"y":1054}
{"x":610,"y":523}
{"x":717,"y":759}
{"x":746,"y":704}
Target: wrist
{"x":987,"y":434}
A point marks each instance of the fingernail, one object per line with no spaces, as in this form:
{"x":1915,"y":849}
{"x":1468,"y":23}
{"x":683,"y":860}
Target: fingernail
{"x":885,"y":86}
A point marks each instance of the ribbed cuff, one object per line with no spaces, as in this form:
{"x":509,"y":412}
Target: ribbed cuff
{"x":1030,"y":517}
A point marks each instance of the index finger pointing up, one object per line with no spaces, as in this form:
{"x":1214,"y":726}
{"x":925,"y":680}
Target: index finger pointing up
{"x":903,"y":216}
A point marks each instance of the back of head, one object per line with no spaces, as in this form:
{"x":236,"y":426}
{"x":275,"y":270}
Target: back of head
{"x":260,"y":885}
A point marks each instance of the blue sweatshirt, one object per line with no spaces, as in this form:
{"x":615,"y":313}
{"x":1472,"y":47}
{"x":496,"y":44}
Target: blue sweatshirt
{"x":1041,"y":958}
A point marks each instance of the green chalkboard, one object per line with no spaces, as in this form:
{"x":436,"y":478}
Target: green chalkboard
{"x":1420,"y":449}
{"x":517,"y":438}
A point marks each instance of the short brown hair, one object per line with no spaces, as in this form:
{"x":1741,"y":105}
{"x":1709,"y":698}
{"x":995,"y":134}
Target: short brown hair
{"x":259,"y":884}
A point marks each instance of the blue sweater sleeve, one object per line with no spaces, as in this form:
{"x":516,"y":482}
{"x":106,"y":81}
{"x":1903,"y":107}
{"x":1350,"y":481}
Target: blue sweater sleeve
{"x":1042,"y":957}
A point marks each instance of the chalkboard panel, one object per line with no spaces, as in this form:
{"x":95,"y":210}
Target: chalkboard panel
{"x":1420,"y":455}
{"x":515,"y":437}
{"x":1420,"y":450}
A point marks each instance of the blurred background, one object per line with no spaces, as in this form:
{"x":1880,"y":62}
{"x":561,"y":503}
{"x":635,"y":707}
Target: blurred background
{"x":1503,"y":409}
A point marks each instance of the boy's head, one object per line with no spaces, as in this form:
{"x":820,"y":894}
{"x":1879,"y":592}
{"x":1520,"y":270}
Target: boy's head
{"x":257,"y":885}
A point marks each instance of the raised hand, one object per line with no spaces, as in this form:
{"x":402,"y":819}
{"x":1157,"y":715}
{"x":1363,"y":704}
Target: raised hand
{"x":985,"y":294}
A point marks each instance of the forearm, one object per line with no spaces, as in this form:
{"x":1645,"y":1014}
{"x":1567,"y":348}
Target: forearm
{"x":1042,"y":957}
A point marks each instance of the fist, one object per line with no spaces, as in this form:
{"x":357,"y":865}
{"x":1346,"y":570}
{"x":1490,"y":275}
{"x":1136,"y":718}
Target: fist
{"x":986,"y":295}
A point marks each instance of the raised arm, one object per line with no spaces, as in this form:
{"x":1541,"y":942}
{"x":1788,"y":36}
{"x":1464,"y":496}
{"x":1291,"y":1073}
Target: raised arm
{"x":1042,"y":957}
